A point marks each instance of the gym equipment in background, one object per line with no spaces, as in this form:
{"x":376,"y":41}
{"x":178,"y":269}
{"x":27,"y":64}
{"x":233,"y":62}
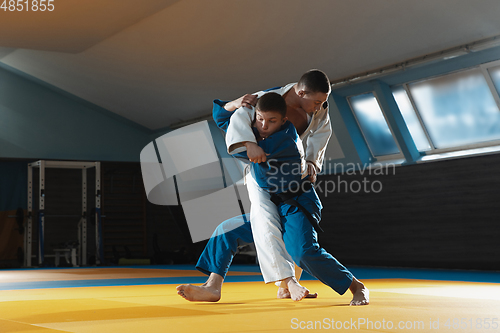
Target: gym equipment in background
{"x":82,"y":230}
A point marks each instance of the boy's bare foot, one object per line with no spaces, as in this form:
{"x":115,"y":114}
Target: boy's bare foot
{"x":285,"y":293}
{"x":360,"y":294}
{"x":207,"y":292}
{"x":201,"y":293}
{"x":297,"y":292}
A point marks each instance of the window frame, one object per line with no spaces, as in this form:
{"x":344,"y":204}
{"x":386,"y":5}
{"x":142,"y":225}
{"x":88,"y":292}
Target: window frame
{"x":483,"y":68}
{"x":419,"y":117}
{"x":374,"y":158}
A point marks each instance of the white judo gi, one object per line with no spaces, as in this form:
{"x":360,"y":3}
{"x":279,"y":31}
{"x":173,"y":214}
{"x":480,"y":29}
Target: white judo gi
{"x":275,"y":262}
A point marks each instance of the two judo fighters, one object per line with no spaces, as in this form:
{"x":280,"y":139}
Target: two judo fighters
{"x":288,"y":130}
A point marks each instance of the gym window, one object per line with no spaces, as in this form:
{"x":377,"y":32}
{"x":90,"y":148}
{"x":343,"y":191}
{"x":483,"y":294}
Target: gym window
{"x":411,"y":119}
{"x":374,"y":126}
{"x":495,"y":76}
{"x":453,"y":112}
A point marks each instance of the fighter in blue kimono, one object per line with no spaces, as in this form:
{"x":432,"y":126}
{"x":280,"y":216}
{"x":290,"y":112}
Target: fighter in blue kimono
{"x":298,"y":205}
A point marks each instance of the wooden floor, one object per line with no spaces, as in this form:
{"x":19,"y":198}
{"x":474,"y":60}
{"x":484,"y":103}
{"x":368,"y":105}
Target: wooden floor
{"x":144,"y":300}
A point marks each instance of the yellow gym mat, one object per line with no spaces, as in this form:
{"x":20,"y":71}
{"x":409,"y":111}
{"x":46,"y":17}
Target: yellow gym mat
{"x":396,"y":305}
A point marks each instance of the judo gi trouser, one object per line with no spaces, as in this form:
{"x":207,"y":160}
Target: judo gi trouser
{"x":300,"y":239}
{"x":274,"y":261}
{"x":264,"y":230}
{"x":302,"y":244}
{"x":222,"y":246}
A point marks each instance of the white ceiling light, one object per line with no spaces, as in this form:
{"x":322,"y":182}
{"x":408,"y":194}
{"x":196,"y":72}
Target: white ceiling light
{"x":485,"y":44}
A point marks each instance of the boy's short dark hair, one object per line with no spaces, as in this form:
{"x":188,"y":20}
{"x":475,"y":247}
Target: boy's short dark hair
{"x":315,"y":81}
{"x":272,"y":102}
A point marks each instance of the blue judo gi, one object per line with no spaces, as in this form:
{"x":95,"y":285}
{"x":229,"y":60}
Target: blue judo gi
{"x":300,"y":238}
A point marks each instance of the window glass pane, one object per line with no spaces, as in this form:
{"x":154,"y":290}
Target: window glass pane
{"x":373,"y":125}
{"x":457,"y":109}
{"x":411,"y":119}
{"x":495,"y":76}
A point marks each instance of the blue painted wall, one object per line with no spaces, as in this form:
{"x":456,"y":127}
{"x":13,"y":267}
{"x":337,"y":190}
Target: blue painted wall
{"x":13,"y":185}
{"x":41,"y":122}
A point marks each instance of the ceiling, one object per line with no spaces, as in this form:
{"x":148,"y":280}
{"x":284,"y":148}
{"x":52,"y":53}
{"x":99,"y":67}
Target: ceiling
{"x":162,"y":62}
